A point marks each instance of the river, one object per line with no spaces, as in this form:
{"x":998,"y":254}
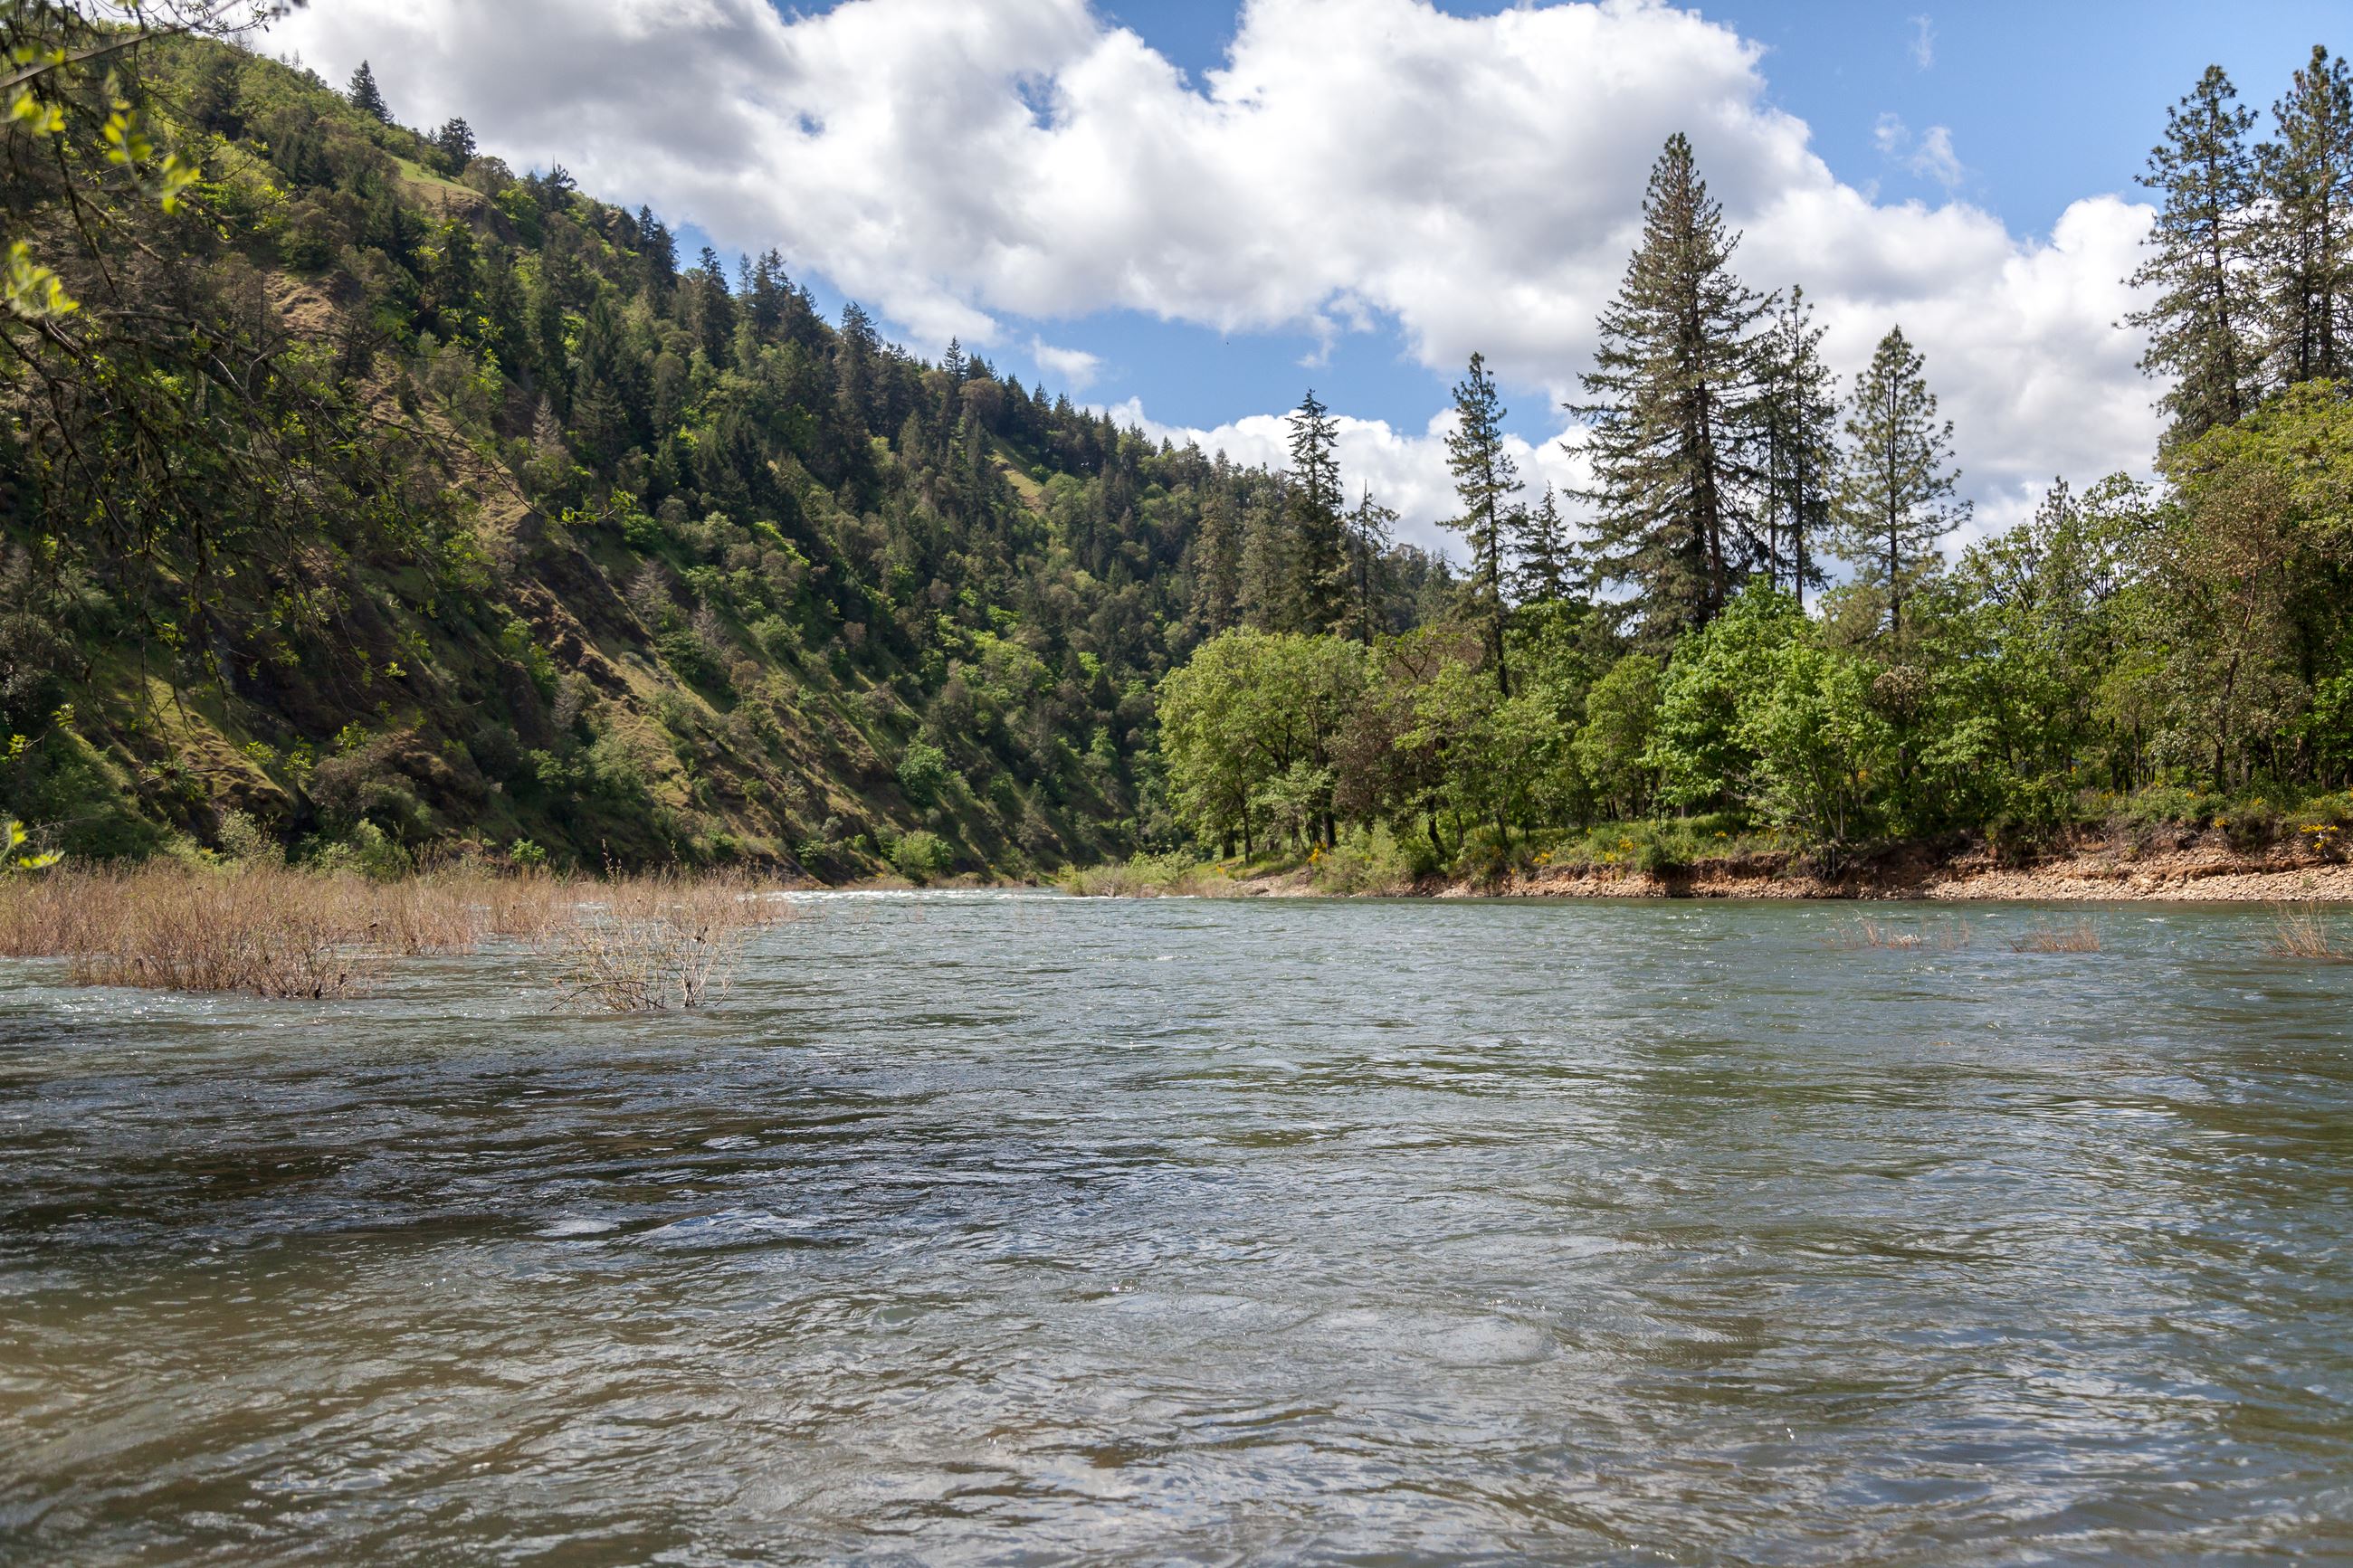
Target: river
{"x":1024,"y":1229}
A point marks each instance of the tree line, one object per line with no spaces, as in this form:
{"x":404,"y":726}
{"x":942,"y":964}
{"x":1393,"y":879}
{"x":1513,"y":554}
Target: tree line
{"x":1685,"y":650}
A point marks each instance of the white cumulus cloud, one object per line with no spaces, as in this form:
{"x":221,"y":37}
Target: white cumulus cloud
{"x":1469,"y":183}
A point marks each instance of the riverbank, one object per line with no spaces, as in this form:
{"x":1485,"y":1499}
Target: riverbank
{"x":2204,"y":867}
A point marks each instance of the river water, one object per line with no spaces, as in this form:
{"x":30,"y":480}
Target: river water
{"x":1026,"y":1229}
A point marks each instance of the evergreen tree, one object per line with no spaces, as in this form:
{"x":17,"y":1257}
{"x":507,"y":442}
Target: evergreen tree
{"x":1673,"y":414}
{"x":1895,"y":499}
{"x":1799,"y":409}
{"x":1319,"y":558}
{"x":2200,"y":260}
{"x":1218,"y":559}
{"x":364,"y":96}
{"x":1369,"y":533}
{"x":1266,"y":577}
{"x":2306,"y":233}
{"x":1544,"y":559}
{"x":1485,"y":480}
{"x":658,"y":251}
{"x":456,"y":141}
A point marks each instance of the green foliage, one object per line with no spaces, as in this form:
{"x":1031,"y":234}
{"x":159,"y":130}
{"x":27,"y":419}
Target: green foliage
{"x":1613,"y":747}
{"x":923,"y":773}
{"x":365,"y":850}
{"x":922,"y":857}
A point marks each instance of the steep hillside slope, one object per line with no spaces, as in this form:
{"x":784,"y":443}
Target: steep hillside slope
{"x":564,"y":543}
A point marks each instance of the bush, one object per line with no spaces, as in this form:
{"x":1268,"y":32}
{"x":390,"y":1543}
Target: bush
{"x":243,"y":841}
{"x":921,"y":857}
{"x":922,"y":772}
{"x":365,"y":850}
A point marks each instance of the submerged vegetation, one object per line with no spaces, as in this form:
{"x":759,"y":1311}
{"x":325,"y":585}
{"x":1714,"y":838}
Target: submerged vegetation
{"x":625,"y":944}
{"x":2305,"y":930}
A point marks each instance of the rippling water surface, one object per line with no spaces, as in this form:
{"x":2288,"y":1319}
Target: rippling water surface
{"x":1025,"y":1229}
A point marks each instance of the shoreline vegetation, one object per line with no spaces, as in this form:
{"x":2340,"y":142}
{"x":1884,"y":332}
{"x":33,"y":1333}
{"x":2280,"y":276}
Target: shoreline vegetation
{"x":672,"y":939}
{"x":638,"y":943}
{"x":2300,"y":857}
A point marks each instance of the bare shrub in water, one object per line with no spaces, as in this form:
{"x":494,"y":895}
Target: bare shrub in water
{"x":1942,"y":936}
{"x":56,"y":914}
{"x":2300,"y":931}
{"x":643,"y":944}
{"x":530,"y":905}
{"x":659,"y":942}
{"x":273,"y":933}
{"x":2082,"y":936}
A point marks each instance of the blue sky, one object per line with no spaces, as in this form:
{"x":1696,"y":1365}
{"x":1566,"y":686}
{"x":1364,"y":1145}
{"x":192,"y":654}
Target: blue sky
{"x":2034,"y":122}
{"x":1353,"y":194}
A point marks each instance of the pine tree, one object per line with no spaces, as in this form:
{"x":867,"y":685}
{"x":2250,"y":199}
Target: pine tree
{"x":1218,"y":559}
{"x":1799,"y":410}
{"x":2201,"y":259}
{"x":658,"y":251}
{"x":2306,"y":229}
{"x":1673,"y":416}
{"x":1266,"y":577}
{"x":456,"y":141}
{"x":364,"y":96}
{"x":1895,"y":498}
{"x":1544,"y":559}
{"x":1319,"y":558}
{"x":1370,"y":530}
{"x":1485,"y":480}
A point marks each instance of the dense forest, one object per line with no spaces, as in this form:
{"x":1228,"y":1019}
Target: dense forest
{"x":1682,"y":674}
{"x":365,"y":500}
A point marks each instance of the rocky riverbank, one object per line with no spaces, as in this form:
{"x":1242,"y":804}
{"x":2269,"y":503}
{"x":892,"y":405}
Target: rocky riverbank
{"x":2200,"y":868}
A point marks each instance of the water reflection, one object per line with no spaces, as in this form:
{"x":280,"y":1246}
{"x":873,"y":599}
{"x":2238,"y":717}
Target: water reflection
{"x":1028,"y":1229}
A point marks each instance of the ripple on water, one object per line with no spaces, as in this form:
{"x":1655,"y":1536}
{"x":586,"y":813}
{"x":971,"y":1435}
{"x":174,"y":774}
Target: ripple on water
{"x":1001,"y":1227}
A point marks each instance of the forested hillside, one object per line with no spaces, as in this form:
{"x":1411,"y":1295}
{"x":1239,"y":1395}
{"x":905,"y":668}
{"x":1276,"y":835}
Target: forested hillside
{"x":363,"y":497}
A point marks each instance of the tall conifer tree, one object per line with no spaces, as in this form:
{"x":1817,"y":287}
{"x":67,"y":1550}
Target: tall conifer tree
{"x":455,"y":140}
{"x":1369,"y":533}
{"x":2307,"y":227}
{"x":1266,"y":576}
{"x":1319,"y":556}
{"x":2200,"y":260}
{"x":1485,"y":480}
{"x":1895,"y":498}
{"x":365,"y":96}
{"x":1217,"y":557}
{"x":1544,"y":560}
{"x":1800,"y":415}
{"x":1673,"y":412}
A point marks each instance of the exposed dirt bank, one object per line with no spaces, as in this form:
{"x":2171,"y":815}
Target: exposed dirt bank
{"x":2097,"y":870}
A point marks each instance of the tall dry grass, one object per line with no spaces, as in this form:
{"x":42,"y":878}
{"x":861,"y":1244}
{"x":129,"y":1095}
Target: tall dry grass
{"x":2081,"y":936}
{"x":2302,"y":930}
{"x":659,"y":942}
{"x":654,"y":942}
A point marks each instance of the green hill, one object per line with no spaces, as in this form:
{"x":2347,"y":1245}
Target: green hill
{"x":375,"y":497}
